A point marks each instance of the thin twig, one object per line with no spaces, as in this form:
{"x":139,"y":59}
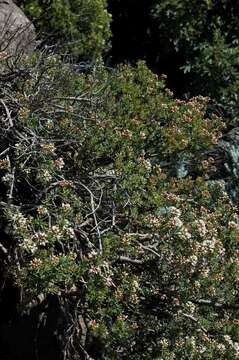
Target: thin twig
{"x":126,"y":259}
{"x":5,"y":151}
{"x":190,"y":317}
{"x":10,"y":196}
{"x":150,"y":250}
{"x":215,"y":304}
{"x":4,"y":250}
{"x":8,"y":113}
{"x":94,"y":209}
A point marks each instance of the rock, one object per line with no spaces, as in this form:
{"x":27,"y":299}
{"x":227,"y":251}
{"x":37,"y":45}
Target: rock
{"x":17,"y":33}
{"x":229,"y":144}
{"x":225,"y":156}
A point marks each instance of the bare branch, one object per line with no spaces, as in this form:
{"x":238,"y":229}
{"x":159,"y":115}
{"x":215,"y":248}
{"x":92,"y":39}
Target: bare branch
{"x":126,"y":259}
{"x":8,"y":113}
{"x":190,"y":317}
{"x":218,"y":305}
{"x":4,"y":151}
{"x":4,"y":250}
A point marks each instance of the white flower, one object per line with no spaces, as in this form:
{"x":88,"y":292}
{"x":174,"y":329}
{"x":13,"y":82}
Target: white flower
{"x":164,"y":343}
{"x":190,"y":307}
{"x":7,"y":178}
{"x":228,"y":339}
{"x":49,"y":124}
{"x":176,"y":222}
{"x":42,"y":210}
{"x":236,"y":347}
{"x":174,"y":211}
{"x":4,"y":164}
{"x":92,"y":254}
{"x":45,"y":175}
{"x":147,"y":164}
{"x":41,"y":238}
{"x":55,"y":229}
{"x":201,"y":227}
{"x":70,"y":232}
{"x":209,"y":245}
{"x":35,"y":263}
{"x":184,"y":233}
{"x":142,"y":135}
{"x":59,"y":163}
{"x":29,"y":245}
{"x":221,"y":347}
{"x":19,"y":220}
{"x":205,"y":272}
{"x":48,"y":148}
{"x":95,"y":270}
{"x":233,"y":225}
{"x":193,"y":260}
{"x":193,"y":341}
{"x":66,"y":206}
{"x":135,"y":284}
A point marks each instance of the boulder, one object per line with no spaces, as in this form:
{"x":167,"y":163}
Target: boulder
{"x":17,"y":33}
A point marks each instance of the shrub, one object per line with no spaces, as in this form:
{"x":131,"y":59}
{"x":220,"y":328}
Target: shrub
{"x":80,"y":26}
{"x":145,"y":263}
{"x":205,"y":37}
{"x":215,"y":72}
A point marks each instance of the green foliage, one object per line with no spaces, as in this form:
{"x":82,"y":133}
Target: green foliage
{"x":215,"y":71}
{"x":81,"y":26}
{"x":204,"y":34}
{"x":188,"y":24}
{"x":148,"y":262}
{"x":184,"y":22}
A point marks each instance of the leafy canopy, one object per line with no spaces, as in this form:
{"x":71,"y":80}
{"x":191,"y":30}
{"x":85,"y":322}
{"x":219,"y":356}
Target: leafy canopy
{"x":100,"y":220}
{"x":81,"y":27}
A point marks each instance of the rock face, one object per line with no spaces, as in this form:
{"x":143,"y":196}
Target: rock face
{"x":17,"y":33}
{"x":225,"y":156}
